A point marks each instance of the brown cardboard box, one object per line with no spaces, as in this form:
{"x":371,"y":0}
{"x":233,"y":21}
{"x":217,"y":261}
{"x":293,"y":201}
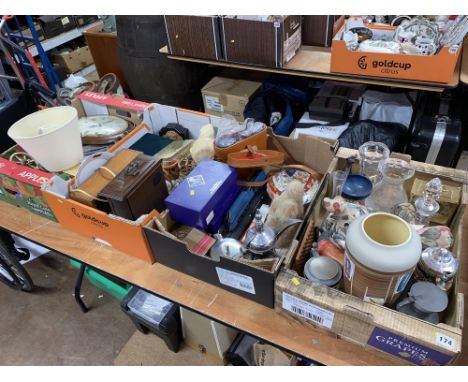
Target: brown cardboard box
{"x":75,"y":60}
{"x":226,"y":94}
{"x":375,"y":327}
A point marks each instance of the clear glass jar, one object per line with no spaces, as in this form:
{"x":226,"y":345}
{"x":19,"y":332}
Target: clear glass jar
{"x":372,"y":153}
{"x":389,"y":191}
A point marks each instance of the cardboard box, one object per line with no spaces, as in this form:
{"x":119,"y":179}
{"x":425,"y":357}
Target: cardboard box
{"x":74,"y":60}
{"x":318,"y":30}
{"x":227,"y":95}
{"x":194,"y":36}
{"x":21,"y":185}
{"x":375,"y":327}
{"x":265,"y":43}
{"x":436,"y":68}
{"x":252,"y":281}
{"x":122,"y":234}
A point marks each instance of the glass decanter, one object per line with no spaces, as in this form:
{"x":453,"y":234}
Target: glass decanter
{"x":389,"y":191}
{"x":427,"y":205}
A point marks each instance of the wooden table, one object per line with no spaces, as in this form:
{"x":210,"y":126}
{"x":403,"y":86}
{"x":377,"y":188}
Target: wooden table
{"x":215,"y":303}
{"x":314,"y":62}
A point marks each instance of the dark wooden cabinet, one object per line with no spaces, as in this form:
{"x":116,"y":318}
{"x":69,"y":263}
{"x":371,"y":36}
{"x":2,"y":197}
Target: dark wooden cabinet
{"x":318,"y":30}
{"x":194,"y":36}
{"x":264,"y":43}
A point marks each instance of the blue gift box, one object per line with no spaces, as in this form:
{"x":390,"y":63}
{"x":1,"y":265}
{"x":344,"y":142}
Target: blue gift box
{"x":204,"y":196}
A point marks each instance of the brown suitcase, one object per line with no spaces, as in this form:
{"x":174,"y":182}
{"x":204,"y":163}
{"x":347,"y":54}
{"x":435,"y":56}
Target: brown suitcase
{"x":264,"y":43}
{"x":137,"y":189}
{"x":193,"y":36}
{"x":319,"y":30}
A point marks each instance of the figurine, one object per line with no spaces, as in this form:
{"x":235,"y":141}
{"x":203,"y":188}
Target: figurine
{"x":436,"y":236}
{"x":203,"y":147}
{"x":406,"y":211}
{"x":342,"y":213}
{"x":288,"y":205}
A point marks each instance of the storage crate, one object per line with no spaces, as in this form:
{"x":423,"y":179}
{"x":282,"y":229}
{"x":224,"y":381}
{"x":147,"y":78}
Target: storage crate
{"x":265,"y":43}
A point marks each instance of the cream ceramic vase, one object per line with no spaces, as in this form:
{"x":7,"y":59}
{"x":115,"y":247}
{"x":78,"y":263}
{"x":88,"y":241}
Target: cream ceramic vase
{"x":382,"y":251}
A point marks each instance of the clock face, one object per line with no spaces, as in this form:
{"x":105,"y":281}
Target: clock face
{"x":102,"y":126}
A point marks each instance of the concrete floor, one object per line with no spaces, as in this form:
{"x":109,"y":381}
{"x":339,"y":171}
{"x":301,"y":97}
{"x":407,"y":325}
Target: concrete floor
{"x":52,"y":330}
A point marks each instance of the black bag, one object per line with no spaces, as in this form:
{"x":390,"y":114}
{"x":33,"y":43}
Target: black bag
{"x":394,"y":135}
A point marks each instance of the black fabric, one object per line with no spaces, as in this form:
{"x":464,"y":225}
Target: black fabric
{"x":179,"y":129}
{"x":394,"y":135}
{"x":262,"y":106}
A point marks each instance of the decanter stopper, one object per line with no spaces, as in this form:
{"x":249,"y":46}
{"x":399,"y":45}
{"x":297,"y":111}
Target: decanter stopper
{"x":427,"y":205}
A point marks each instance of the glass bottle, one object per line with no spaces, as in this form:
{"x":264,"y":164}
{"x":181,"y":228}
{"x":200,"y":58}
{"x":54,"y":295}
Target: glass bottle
{"x":389,"y":191}
{"x":427,"y":205}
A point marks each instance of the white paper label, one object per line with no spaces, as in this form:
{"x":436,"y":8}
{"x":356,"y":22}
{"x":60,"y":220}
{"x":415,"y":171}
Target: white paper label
{"x":195,"y":181}
{"x":445,"y":341}
{"x":212,"y":103}
{"x":307,"y":310}
{"x":236,"y":280}
{"x":375,"y":300}
{"x":348,"y":267}
{"x":210,"y":217}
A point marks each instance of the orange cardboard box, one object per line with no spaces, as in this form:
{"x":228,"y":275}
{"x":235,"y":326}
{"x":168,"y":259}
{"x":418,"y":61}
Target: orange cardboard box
{"x":436,"y":68}
{"x":122,"y":234}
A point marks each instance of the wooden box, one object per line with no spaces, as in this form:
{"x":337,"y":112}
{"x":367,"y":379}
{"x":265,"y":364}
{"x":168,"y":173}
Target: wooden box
{"x":265,"y":43}
{"x":137,"y":189}
{"x":75,"y":60}
{"x":375,"y":327}
{"x":318,"y":30}
{"x":193,"y":36}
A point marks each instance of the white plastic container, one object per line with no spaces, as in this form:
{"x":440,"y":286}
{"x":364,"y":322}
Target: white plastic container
{"x":51,"y":136}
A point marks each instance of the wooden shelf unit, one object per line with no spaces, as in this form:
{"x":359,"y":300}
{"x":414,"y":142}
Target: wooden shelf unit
{"x":314,"y":62}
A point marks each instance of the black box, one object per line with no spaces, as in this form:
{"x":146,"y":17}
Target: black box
{"x":85,"y":20}
{"x":169,"y":328}
{"x":55,"y":25}
{"x":251,"y":282}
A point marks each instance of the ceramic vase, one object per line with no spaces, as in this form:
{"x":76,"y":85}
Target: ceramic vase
{"x":382,"y":251}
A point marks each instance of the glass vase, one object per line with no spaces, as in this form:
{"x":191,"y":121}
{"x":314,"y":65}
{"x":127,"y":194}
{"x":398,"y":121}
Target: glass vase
{"x":390,"y":191}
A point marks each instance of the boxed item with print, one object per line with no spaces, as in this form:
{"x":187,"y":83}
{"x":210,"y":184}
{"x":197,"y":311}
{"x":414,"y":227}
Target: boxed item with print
{"x":21,"y":180}
{"x":401,"y":337}
{"x":270,"y":41}
{"x":415,"y":50}
{"x":229,"y":92}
